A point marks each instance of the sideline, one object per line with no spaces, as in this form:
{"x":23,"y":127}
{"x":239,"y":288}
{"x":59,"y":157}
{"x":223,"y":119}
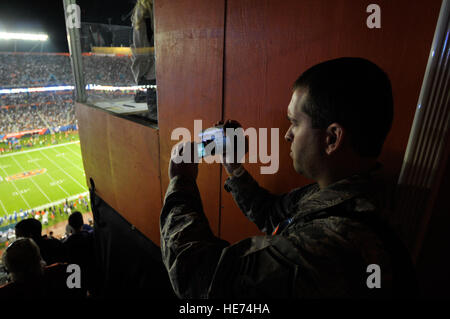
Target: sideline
{"x":60,"y":201}
{"x":38,"y":149}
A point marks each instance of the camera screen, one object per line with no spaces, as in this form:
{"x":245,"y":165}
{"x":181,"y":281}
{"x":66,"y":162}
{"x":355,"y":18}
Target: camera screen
{"x":211,"y":135}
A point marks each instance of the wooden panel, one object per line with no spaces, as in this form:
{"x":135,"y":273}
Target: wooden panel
{"x":122,"y":157}
{"x":269,"y":43}
{"x":189,"y":63}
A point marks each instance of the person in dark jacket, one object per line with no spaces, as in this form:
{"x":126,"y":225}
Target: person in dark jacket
{"x":79,"y":248}
{"x":143,"y":55}
{"x":51,"y":249}
{"x":30,"y":277}
{"x":329,"y":239}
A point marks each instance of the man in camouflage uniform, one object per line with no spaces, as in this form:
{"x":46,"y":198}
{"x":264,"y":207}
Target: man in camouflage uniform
{"x":322,"y":239}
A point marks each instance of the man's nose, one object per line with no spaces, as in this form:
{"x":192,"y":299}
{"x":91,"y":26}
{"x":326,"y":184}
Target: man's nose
{"x":288,"y":136}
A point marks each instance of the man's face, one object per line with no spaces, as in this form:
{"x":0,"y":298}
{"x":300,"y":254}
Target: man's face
{"x":306,"y":142}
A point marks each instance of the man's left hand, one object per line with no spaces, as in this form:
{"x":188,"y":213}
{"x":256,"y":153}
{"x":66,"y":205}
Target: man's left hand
{"x":185,"y":161}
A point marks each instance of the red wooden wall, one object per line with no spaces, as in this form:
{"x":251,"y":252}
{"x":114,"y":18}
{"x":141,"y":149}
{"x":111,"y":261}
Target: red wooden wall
{"x":189,"y":64}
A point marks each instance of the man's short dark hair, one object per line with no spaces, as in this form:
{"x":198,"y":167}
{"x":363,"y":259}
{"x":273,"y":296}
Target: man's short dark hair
{"x":31,"y":228}
{"x":76,"y":220}
{"x":355,"y":93}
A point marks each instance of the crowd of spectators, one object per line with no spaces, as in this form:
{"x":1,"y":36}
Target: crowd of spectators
{"x":20,"y":70}
{"x":108,"y":70}
{"x":28,"y":111}
{"x":34,"y":70}
{"x":38,"y":266}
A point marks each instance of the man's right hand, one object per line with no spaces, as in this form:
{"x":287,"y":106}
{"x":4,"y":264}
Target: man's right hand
{"x":234,"y":164}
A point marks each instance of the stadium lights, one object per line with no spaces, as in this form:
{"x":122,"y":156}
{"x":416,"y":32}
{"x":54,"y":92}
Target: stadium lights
{"x":23,"y":36}
{"x":37,"y":89}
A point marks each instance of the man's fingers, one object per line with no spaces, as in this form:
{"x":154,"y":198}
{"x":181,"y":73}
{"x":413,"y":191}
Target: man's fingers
{"x":181,"y":155}
{"x":181,"y":149}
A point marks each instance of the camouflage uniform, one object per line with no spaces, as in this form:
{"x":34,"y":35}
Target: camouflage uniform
{"x":325,"y":241}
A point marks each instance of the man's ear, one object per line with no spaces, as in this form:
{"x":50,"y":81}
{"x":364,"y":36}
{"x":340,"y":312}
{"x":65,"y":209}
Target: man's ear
{"x":335,"y":134}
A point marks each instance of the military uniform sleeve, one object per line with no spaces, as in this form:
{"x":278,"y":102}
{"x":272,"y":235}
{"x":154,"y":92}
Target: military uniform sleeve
{"x":263,"y":208}
{"x":189,"y":249}
{"x":312,"y":264}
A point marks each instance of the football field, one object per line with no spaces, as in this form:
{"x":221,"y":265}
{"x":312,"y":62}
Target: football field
{"x":34,"y":178}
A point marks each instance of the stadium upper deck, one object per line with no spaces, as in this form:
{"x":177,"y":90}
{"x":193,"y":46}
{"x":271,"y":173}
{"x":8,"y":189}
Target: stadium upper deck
{"x":28,"y":70}
{"x":36,"y":110}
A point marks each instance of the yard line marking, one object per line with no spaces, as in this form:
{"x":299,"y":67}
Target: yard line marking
{"x":70,"y":162}
{"x":52,"y":179}
{"x":18,"y":192}
{"x":38,"y":149}
{"x":3,"y":206}
{"x":67,"y":147}
{"x":32,"y":180}
{"x":63,"y":170}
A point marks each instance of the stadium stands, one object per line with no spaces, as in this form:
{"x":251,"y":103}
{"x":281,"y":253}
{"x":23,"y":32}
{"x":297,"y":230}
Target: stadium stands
{"x":19,"y":70}
{"x":36,"y":110}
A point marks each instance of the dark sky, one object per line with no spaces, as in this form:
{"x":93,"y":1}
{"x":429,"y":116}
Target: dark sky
{"x":47,"y":16}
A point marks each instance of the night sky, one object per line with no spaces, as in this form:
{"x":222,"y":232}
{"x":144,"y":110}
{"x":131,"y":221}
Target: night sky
{"x":47,"y":16}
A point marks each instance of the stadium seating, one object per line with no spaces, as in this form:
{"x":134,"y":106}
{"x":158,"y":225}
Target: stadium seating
{"x":19,"y":70}
{"x":36,"y":110}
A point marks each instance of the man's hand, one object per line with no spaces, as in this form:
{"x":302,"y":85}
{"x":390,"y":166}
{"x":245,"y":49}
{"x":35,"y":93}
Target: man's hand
{"x":234,"y":164}
{"x":185,"y":161}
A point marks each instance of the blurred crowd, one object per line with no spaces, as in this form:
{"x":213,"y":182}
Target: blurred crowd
{"x":34,"y":111}
{"x":20,"y":70}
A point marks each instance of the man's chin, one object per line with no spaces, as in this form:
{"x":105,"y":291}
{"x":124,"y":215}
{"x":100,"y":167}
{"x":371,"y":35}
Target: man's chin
{"x":298,"y":169}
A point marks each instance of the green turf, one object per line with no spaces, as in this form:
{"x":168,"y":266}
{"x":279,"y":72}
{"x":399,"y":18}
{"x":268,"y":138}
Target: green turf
{"x":63,"y":178}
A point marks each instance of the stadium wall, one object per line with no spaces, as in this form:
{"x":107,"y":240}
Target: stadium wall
{"x":122,"y":157}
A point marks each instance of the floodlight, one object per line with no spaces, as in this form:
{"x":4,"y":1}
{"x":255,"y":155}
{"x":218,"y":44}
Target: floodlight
{"x":23,"y":36}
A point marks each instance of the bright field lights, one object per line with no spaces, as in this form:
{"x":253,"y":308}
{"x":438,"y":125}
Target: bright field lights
{"x":23,"y":36}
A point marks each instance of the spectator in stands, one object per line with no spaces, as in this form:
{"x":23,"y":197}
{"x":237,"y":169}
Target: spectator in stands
{"x":143,"y":59}
{"x":52,"y":250}
{"x":80,"y":250}
{"x":30,"y":277}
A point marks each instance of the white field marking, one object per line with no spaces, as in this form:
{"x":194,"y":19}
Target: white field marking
{"x":3,"y":206}
{"x":60,"y":201}
{"x":18,"y":192}
{"x":70,"y":162}
{"x":70,"y":176}
{"x":32,"y":160}
{"x":38,"y":149}
{"x":32,"y":180}
{"x":71,"y":150}
{"x":52,"y":179}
